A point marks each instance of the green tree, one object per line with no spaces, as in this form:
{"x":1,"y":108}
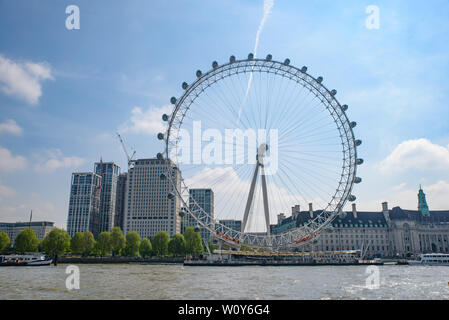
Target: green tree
{"x":145,"y":247}
{"x":118,"y":241}
{"x":89,"y":243}
{"x":194,"y":245}
{"x":56,"y":242}
{"x":177,"y":245}
{"x":77,"y":244}
{"x":160,"y":243}
{"x":82,"y":243}
{"x":132,"y":244}
{"x":5,"y":242}
{"x":26,"y":241}
{"x":103,"y":244}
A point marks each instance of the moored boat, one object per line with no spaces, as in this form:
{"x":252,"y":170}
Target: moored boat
{"x":432,"y":259}
{"x":24,"y":260}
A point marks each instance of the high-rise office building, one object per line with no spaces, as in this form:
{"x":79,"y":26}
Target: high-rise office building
{"x":151,"y":204}
{"x":109,"y":172}
{"x":84,"y":203}
{"x":120,"y":201}
{"x":201,"y":199}
{"x":232,"y":224}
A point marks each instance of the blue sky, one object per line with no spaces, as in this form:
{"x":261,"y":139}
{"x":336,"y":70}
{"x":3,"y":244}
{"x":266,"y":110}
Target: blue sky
{"x":81,"y":86}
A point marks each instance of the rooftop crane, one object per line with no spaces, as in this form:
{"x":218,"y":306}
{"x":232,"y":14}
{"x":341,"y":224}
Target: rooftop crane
{"x":130,"y":159}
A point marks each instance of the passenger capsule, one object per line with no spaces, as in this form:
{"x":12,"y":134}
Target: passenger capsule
{"x":353,"y":124}
{"x":319,"y":79}
{"x":344,"y":107}
{"x":199,"y":73}
{"x":231,"y":59}
{"x":359,"y":161}
{"x":358,"y":143}
{"x":160,"y":136}
{"x":182,"y":213}
{"x":215,"y":64}
{"x":357,"y":180}
{"x":170,"y":195}
{"x":173,"y":100}
{"x":333,"y":92}
{"x":286,"y":62}
{"x":185,"y":85}
{"x":304,"y":69}
{"x":250,"y":56}
{"x":352,"y":198}
{"x":197,"y":229}
{"x":159,"y":156}
{"x":269,"y":57}
{"x":165,"y":117}
{"x":163,"y":176}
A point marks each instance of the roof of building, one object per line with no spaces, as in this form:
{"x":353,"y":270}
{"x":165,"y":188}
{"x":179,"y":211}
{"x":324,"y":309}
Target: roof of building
{"x":370,"y":218}
{"x":27,"y":224}
{"x":365,"y":218}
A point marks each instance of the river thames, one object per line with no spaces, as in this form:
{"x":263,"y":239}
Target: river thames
{"x":131,"y":281}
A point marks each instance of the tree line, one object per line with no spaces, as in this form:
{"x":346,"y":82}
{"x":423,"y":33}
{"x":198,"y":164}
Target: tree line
{"x":58,"y":242}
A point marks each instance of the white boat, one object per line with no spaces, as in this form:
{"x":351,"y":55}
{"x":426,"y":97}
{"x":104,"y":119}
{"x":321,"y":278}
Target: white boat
{"x":24,"y":260}
{"x":432,"y":259}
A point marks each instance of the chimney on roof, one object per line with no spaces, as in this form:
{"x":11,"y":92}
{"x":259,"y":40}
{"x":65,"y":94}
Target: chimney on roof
{"x":386,"y":212}
{"x":354,"y":211}
{"x":281,"y":218}
{"x":295,"y":211}
{"x":310,"y":210}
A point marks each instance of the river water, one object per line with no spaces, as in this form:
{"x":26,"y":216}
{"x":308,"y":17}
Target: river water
{"x":131,"y":281}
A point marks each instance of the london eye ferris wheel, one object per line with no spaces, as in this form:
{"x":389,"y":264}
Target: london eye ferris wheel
{"x":265,"y":137}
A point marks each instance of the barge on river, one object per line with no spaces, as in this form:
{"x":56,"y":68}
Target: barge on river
{"x":251,"y":258}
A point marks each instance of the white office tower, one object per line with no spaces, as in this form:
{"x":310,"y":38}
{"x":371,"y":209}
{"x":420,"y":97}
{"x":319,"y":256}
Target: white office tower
{"x":151,"y":204}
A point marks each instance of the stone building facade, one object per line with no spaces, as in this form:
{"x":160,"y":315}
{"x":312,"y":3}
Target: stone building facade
{"x":392,"y":232}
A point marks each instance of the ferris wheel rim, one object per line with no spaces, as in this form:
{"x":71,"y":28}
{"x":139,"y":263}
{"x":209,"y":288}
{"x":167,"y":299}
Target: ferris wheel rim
{"x":327,"y":98}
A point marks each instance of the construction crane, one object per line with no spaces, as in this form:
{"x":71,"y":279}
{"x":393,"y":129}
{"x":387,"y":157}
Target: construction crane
{"x":130,"y":159}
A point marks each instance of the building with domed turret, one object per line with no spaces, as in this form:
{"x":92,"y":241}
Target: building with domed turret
{"x":392,"y":232}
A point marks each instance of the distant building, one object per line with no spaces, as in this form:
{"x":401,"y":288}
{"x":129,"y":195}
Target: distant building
{"x":120,"y":201}
{"x":109,"y":172}
{"x":40,"y":228}
{"x":201,"y":199}
{"x":84,"y":203}
{"x":151,"y":203}
{"x":232,"y":224}
{"x":387,"y":233}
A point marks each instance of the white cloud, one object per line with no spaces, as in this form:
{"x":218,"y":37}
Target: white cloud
{"x":417,"y":154}
{"x":56,"y":161}
{"x":42,"y":210}
{"x":9,"y":162}
{"x":147,"y":121}
{"x":53,"y":164}
{"x":437,"y":196}
{"x":6,"y":192}
{"x":23,"y":79}
{"x":10,"y":127}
